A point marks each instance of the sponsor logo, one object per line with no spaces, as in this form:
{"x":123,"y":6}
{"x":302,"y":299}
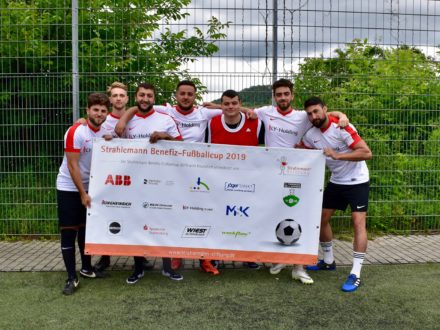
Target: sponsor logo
{"x":85,"y":150}
{"x":291,"y":199}
{"x":87,"y":140}
{"x":197,"y":208}
{"x":114,"y":228}
{"x":282,"y":130}
{"x":189,"y":125}
{"x":200,"y":186}
{"x":360,"y":206}
{"x":196,"y":231}
{"x":316,"y":141}
{"x":241,"y":211}
{"x":286,"y":169}
{"x":155,"y":230}
{"x":118,"y":180}
{"x":131,"y":128}
{"x":116,"y":204}
{"x":248,"y":130}
{"x":230,"y":186}
{"x":157,"y":206}
{"x":157,"y":182}
{"x":236,"y":234}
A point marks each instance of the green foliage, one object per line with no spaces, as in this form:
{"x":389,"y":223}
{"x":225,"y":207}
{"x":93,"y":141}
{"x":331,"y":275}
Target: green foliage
{"x":392,"y":97}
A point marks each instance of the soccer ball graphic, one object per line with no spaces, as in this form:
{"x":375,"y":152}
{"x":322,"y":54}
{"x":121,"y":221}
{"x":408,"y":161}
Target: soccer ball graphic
{"x":288,"y":231}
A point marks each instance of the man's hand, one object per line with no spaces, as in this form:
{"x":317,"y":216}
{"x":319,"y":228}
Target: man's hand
{"x":343,"y":121}
{"x":329,"y":152}
{"x":86,"y":200}
{"x":81,"y":121}
{"x":250,"y":114}
{"x":156,"y":136}
{"x":108,"y":137}
{"x":120,"y":128}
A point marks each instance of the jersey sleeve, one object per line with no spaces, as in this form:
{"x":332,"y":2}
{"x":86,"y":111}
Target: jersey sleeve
{"x":173,"y":130}
{"x":306,"y":141}
{"x":261,"y":112}
{"x":73,"y":140}
{"x":209,"y":113}
{"x":163,"y":109}
{"x":350,"y":136}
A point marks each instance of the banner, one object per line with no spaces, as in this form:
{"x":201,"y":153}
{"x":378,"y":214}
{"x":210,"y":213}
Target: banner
{"x":205,"y":201}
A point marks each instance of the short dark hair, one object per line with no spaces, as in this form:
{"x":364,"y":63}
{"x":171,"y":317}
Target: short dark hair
{"x":282,"y":83}
{"x":314,"y":100}
{"x":230,"y":93}
{"x":98,"y":99}
{"x":146,"y":86}
{"x":186,"y":83}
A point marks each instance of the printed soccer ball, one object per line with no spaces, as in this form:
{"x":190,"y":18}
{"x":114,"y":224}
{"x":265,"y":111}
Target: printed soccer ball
{"x":288,"y":231}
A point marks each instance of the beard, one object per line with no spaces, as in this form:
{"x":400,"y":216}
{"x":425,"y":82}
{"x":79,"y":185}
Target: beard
{"x":149,"y":106}
{"x":318,"y":122}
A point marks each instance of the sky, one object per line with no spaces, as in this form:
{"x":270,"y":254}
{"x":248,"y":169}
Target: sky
{"x":306,"y":28}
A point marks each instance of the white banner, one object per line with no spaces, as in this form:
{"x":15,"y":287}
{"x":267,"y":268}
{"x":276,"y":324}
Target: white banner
{"x":194,"y":200}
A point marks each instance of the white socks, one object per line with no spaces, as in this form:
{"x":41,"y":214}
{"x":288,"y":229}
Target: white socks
{"x":358,"y":260}
{"x":327,"y":249}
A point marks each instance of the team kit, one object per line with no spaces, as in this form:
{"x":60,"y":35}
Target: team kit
{"x":227,"y":123}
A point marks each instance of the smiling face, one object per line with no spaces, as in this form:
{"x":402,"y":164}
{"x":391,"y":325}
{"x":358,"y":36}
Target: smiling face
{"x":231,"y":107}
{"x":97,"y":114}
{"x":283,"y":97}
{"x":118,"y":98}
{"x":185,"y":97}
{"x":145,"y":99}
{"x":317,"y":115}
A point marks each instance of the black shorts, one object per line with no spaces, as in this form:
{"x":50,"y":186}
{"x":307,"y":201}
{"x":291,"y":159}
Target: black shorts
{"x":338,"y":196}
{"x":71,"y":213}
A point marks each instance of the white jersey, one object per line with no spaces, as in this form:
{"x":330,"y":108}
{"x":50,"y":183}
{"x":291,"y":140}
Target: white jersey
{"x":342,"y":140}
{"x":78,"y":138}
{"x":142,"y":126}
{"x":283,"y":129}
{"x":192,"y":124}
{"x":109,"y":125}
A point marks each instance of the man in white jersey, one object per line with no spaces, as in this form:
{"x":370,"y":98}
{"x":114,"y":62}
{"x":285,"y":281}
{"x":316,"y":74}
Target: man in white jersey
{"x":72,"y":186}
{"x":349,"y":184}
{"x":192,"y":123}
{"x":285,"y":127}
{"x":149,"y":124}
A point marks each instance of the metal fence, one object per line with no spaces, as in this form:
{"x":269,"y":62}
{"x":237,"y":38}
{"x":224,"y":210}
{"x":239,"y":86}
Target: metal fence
{"x":374,"y":60}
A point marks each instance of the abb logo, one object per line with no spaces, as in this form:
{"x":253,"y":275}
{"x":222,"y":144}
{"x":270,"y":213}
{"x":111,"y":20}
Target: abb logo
{"x":118,"y":180}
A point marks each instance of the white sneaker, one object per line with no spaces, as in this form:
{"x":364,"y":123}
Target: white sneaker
{"x":276,"y":269}
{"x":300,"y":274}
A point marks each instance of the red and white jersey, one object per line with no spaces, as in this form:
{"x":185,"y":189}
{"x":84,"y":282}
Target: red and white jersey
{"x":283,"y":129}
{"x":341,"y":140}
{"x":78,"y":138}
{"x":245,"y":134}
{"x":142,"y":126}
{"x":191,"y":124}
{"x":109,"y":125}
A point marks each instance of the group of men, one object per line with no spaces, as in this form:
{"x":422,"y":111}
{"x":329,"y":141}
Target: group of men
{"x":229,"y":123}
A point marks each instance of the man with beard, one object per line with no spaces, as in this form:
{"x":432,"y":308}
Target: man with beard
{"x":284,"y":128}
{"x":72,"y":188}
{"x":149,"y":124}
{"x":192,"y":122}
{"x":349,"y":184}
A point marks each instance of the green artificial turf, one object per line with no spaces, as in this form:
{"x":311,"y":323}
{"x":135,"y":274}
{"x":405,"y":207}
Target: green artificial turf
{"x":391,"y":297}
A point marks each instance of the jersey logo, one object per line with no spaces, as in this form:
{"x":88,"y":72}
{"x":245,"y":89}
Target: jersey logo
{"x":248,"y":130}
{"x":131,"y":128}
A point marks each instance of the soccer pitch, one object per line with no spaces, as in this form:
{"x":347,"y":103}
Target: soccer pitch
{"x":391,"y":297}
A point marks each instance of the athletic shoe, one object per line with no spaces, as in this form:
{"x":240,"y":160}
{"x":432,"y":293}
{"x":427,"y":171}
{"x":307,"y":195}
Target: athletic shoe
{"x":321,"y":265}
{"x":209,"y":268}
{"x":135,"y":277}
{"x":148,"y":265}
{"x":70,"y":286}
{"x":276,"y":269}
{"x":102,"y":263}
{"x":300,"y":274}
{"x":91,"y":273}
{"x":251,"y":265}
{"x":351,"y":284}
{"x":172,"y":275}
{"x":176,"y":264}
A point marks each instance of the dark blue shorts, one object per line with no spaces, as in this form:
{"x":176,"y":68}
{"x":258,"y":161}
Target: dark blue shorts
{"x":71,"y":213}
{"x":338,"y":196}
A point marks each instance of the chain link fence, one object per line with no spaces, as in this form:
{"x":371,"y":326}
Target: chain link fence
{"x":376,"y":61}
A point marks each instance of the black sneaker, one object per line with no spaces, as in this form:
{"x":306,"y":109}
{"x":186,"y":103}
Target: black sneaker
{"x":251,"y":265}
{"x":172,"y":275}
{"x":102,"y":263}
{"x":91,"y":273}
{"x":134,"y":278}
{"x":70,"y":286}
